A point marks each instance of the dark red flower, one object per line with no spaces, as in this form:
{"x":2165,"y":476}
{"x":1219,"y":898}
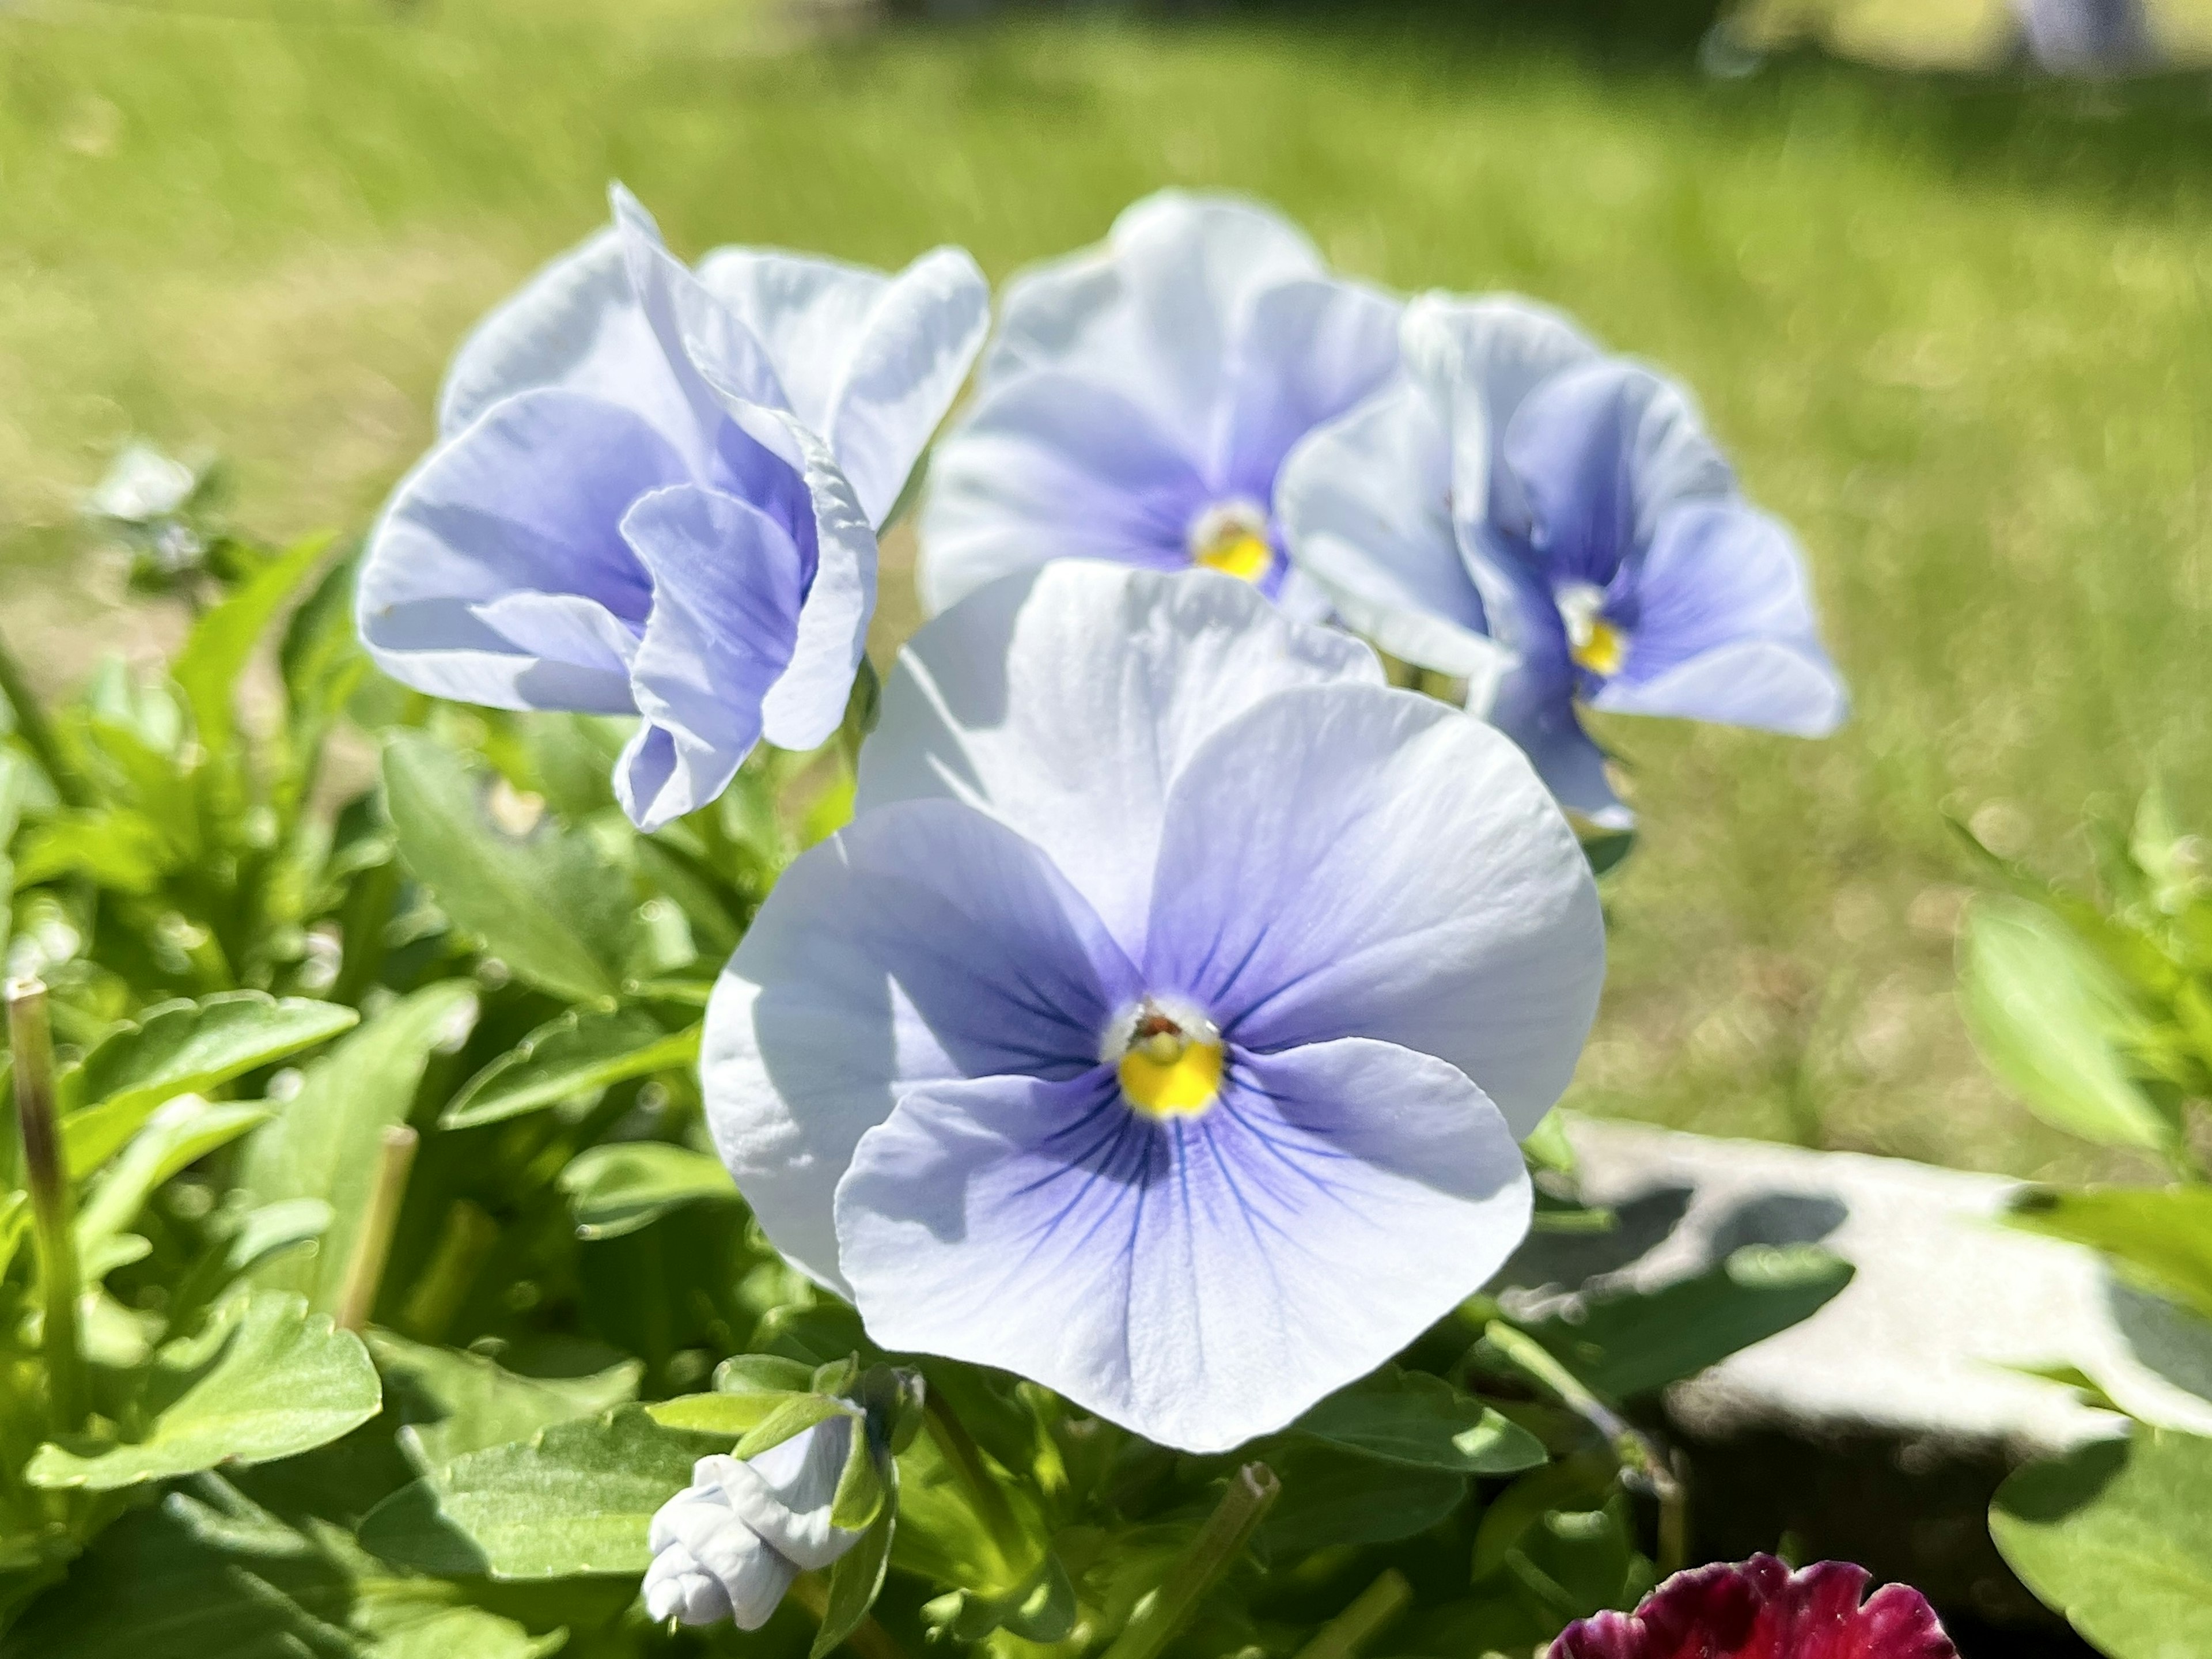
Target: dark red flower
{"x":1762,"y":1610}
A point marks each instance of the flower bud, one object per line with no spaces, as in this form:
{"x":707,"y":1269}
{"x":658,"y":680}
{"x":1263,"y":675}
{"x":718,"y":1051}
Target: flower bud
{"x":728,"y":1545}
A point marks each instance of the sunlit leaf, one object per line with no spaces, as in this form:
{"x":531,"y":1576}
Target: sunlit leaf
{"x":548,"y":903}
{"x":1411,"y":1418}
{"x":282,"y":1380}
{"x":579,"y":1051}
{"x":2161,"y":1236}
{"x":2117,"y":1536}
{"x":619,"y":1188}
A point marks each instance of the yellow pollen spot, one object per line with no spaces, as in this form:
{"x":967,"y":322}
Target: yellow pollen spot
{"x":1167,"y":1074}
{"x":1243,"y":555}
{"x":1598,"y":646}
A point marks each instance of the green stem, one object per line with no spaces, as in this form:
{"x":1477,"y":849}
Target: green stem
{"x":1252,"y":1492}
{"x":965,"y":1457}
{"x":869,"y":1639}
{"x":372,"y":1244}
{"x":1639,"y":1457}
{"x":1350,"y":1631}
{"x":38,"y":735}
{"x":31,"y":1037}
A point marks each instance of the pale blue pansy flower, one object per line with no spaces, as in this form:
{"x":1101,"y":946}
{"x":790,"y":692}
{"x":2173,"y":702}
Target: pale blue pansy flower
{"x":1555,"y":526}
{"x":657,"y":491}
{"x":1162,"y":1026}
{"x":1138,"y":399}
{"x":729,"y":1545}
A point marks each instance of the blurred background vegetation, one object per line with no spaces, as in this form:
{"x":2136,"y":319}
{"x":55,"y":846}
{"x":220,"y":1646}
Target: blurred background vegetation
{"x":1949,"y":317}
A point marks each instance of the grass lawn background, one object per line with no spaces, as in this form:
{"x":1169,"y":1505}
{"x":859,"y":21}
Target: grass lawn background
{"x":1954,"y":329}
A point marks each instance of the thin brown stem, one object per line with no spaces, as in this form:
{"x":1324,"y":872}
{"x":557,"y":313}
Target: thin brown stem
{"x":372,"y":1244}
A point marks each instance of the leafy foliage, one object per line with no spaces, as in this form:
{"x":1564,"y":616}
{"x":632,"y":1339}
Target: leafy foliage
{"x":264,"y":965}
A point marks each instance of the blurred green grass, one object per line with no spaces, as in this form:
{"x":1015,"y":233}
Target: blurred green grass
{"x":1954,"y":329}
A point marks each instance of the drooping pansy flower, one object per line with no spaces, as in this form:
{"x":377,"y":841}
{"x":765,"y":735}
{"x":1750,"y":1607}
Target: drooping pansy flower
{"x":729,"y":1545}
{"x":656,"y":491}
{"x":1161,"y":1027}
{"x":1519,"y":489}
{"x":1138,"y":399}
{"x":1762,"y":1610}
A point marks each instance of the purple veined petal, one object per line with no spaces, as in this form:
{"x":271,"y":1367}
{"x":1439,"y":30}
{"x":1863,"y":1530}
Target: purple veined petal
{"x":1601,"y":451}
{"x":1363,"y":503}
{"x":727,"y":585}
{"x":1200,"y":1280}
{"x":804,"y":707}
{"x":1048,"y":466}
{"x":713,"y":357}
{"x":1534,"y":705}
{"x":1309,"y":349}
{"x":870,"y":361}
{"x":581,"y":652}
{"x":1479,"y":360}
{"x":574,"y":325}
{"x":528,"y":500}
{"x":1722,"y":628}
{"x":1354,"y":862}
{"x":923,"y":941}
{"x":1155,"y":314}
{"x":1065,"y":701}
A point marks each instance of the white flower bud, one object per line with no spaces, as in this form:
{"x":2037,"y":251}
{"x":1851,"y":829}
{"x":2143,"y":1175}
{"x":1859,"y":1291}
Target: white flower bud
{"x":728,"y":1545}
{"x":142,"y":486}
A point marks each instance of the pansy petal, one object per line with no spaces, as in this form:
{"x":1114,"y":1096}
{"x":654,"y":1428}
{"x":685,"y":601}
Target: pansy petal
{"x":870,"y":361}
{"x":1363,"y":503}
{"x":1156,"y":315}
{"x":922,"y":941}
{"x":1310,"y":349}
{"x":1051,"y":466}
{"x":530,"y":499}
{"x":1066,"y":700}
{"x":1603,"y":450}
{"x":1353,"y":861}
{"x":580,"y":652}
{"x":1535,"y":707}
{"x":753,"y":1577}
{"x":575,"y":325}
{"x":726,"y":589}
{"x":1200,"y":1280}
{"x":1723,"y":628}
{"x":806,"y":704}
{"x":1479,"y":360}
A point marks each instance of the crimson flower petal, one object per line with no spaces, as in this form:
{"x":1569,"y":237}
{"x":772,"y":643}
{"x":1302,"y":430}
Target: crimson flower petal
{"x":1760,"y":1609}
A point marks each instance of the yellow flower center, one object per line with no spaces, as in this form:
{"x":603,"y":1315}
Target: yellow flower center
{"x":1592,"y":642}
{"x":1171,"y":1065}
{"x":1231,"y":537}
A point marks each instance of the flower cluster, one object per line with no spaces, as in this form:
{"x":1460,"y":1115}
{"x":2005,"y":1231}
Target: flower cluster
{"x":1163,"y":1026}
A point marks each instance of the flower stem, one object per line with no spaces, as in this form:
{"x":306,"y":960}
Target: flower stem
{"x":869,"y":1639}
{"x":1252,"y":1492}
{"x":960,"y":1450}
{"x":372,"y":1245}
{"x":1641,"y":1459}
{"x":31,"y":1039}
{"x":1370,"y":1610}
{"x":38,"y":734}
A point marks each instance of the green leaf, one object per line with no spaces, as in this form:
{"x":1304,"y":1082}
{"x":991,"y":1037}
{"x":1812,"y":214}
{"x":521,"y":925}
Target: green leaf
{"x":791,"y":1417}
{"x":619,"y":1188}
{"x":858,"y":1576}
{"x":1332,"y":1496}
{"x":115,"y":848}
{"x":548,"y":904}
{"x":577,"y":1498}
{"x":579,"y":1051}
{"x":2116,"y":1537}
{"x":324,"y":1144}
{"x":214,"y":656}
{"x":1411,"y":1418}
{"x":210,"y":1575}
{"x":1636,"y":1342}
{"x":2046,"y":1012}
{"x":728,"y":1416}
{"x":282,"y":1382}
{"x":183,"y":1048}
{"x":177,"y":1136}
{"x":456,"y":1402}
{"x":2161,"y":1236}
